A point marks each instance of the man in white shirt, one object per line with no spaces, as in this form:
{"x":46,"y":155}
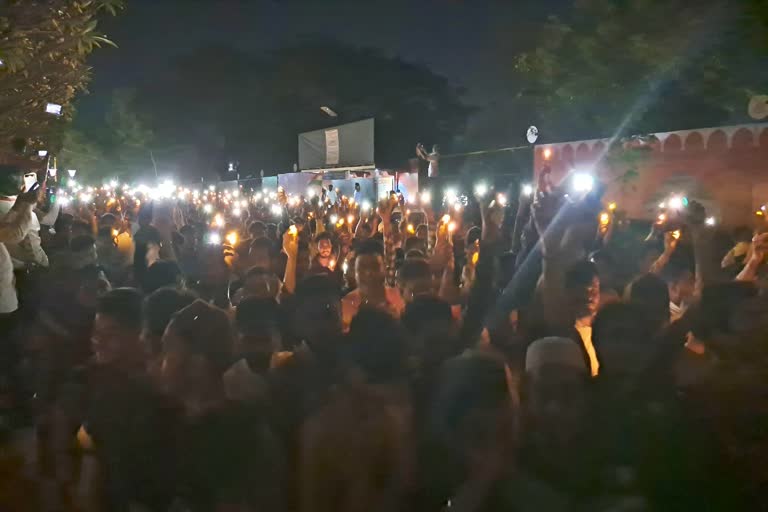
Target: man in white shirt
{"x":358,"y":197}
{"x":15,"y":224}
{"x":331,"y":196}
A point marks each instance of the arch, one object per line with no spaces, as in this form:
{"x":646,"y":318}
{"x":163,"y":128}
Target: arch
{"x":673,"y":143}
{"x":743,"y":138}
{"x":567,"y":154}
{"x":717,"y":141}
{"x":599,"y":148}
{"x":582,"y":151}
{"x":694,"y":142}
{"x":763,"y":142}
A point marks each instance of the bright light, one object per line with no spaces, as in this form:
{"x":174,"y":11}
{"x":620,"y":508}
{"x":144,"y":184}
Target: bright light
{"x":426,"y":197}
{"x":612,"y":206}
{"x":310,"y":193}
{"x":207,"y":208}
{"x":457,"y":207}
{"x":582,"y":182}
{"x":214,"y":238}
{"x":345,"y":267}
{"x":366,"y":205}
{"x":528,"y":189}
{"x":113,"y":183}
{"x":293,"y":230}
{"x":334,"y":218}
{"x":236,"y":212}
{"x":411,"y":229}
{"x":53,"y":108}
{"x":481,"y":189}
{"x":42,"y":153}
{"x":547,"y":153}
{"x":277,"y":209}
{"x":86,"y":198}
{"x":710,"y":221}
{"x":219,"y":220}
{"x":64,"y":201}
{"x":451,"y":227}
{"x":450,"y":195}
{"x":662,"y":217}
{"x":604,"y":218}
{"x":446,"y":219}
{"x":212,"y":187}
{"x":350,"y":219}
{"x":232,"y":238}
{"x":235,"y":193}
{"x":72,"y":184}
{"x":676,"y":234}
{"x":675,"y":203}
{"x":244,"y":203}
{"x":502,"y":200}
{"x":72,"y":172}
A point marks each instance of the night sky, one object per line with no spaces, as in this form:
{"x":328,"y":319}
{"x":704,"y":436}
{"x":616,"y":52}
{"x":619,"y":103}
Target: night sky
{"x":469,"y":42}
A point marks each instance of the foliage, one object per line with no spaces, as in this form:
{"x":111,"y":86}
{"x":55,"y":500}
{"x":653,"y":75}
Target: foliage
{"x":234,"y":105}
{"x":120,"y":148}
{"x":639,"y":66}
{"x":44,"y":45}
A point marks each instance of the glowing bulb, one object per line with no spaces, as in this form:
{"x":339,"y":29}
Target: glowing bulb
{"x":583,"y":182}
{"x":411,"y":229}
{"x":675,"y":202}
{"x":426,"y":196}
{"x":676,"y":234}
{"x":214,"y":238}
{"x":244,"y":203}
{"x":662,"y":217}
{"x":207,"y":208}
{"x":457,"y":207}
{"x":276,"y":209}
{"x":547,"y":153}
{"x":451,"y":226}
{"x":710,"y":221}
{"x":232,"y":238}
{"x":334,"y":218}
{"x":481,"y":189}
{"x":236,"y":212}
{"x":293,"y":230}
{"x":86,"y":198}
{"x":502,"y":200}
{"x":235,"y":193}
{"x":350,"y":219}
{"x":64,"y":201}
{"x":219,"y":220}
{"x":527,"y":189}
{"x":604,"y":218}
{"x":612,"y":206}
{"x":113,"y":183}
{"x":310,"y":193}
{"x":211,"y":187}
{"x":446,"y":219}
{"x":332,"y":264}
{"x":366,"y":206}
{"x":450,"y":195}
{"x":662,"y":205}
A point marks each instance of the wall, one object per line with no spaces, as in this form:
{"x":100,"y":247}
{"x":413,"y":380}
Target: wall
{"x":725,"y":167}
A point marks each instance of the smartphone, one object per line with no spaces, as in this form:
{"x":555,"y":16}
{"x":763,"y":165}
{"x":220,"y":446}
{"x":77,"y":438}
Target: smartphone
{"x":35,"y":187}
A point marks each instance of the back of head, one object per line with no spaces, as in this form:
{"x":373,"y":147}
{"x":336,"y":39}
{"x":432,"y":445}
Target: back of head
{"x":203,"y":330}
{"x":650,"y":293}
{"x":624,"y":338}
{"x":256,"y":316}
{"x":160,"y":306}
{"x":556,"y":353}
{"x":124,"y":306}
{"x":370,"y":247}
{"x":469,"y":384}
{"x":160,"y":275}
{"x":415,"y":278}
{"x":377,"y":346}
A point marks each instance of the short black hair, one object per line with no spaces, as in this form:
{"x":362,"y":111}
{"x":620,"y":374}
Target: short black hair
{"x":160,"y":305}
{"x":377,"y":346}
{"x":261,"y":244}
{"x":161,"y":274}
{"x":123,"y":305}
{"x":81,"y":243}
{"x":580,"y":275}
{"x":414,"y":268}
{"x":370,"y":247}
{"x":325,"y":235}
{"x":256,"y":315}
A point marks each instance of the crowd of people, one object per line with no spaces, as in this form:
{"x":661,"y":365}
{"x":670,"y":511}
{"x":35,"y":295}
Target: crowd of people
{"x":243,"y":351}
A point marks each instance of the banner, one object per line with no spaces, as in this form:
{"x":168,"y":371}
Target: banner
{"x":332,"y":146}
{"x":346,"y":145}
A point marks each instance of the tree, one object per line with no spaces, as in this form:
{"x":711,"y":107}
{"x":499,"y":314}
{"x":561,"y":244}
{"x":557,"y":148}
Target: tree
{"x":44,"y":45}
{"x":234,"y":105}
{"x":121,"y":147}
{"x":640,"y":66}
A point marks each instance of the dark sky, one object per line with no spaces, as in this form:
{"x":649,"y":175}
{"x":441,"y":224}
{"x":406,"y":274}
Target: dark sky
{"x":468,"y":41}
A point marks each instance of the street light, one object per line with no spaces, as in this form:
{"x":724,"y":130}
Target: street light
{"x":72,"y":172}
